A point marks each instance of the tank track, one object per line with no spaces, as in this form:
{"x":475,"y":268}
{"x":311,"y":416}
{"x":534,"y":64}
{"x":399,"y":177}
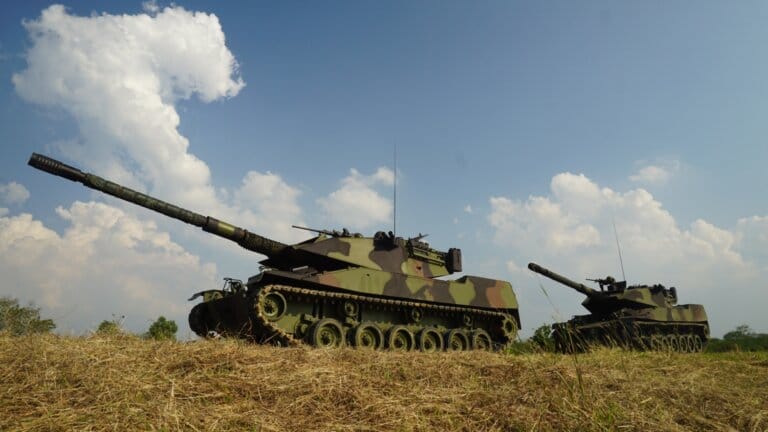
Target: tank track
{"x":265,"y":331}
{"x":683,"y":337}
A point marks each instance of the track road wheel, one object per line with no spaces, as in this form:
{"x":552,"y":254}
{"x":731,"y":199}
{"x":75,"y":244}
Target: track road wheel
{"x":657,"y":343}
{"x":698,"y":344}
{"x":664,"y":343}
{"x":429,"y":340}
{"x":480,"y":340}
{"x":327,"y":333}
{"x":399,"y":338}
{"x":687,"y":342}
{"x":456,"y":340}
{"x":273,"y":306}
{"x":672,"y":343}
{"x":367,"y":335}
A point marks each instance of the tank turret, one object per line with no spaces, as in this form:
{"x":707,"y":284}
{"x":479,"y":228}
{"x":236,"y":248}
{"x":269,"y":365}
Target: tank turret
{"x":637,"y":316}
{"x":338,"y":287}
{"x":615,"y":295}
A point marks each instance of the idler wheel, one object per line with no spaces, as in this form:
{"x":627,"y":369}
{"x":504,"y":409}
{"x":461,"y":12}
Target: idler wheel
{"x":429,"y":340}
{"x":367,"y":335}
{"x":456,"y":340}
{"x":327,"y":333}
{"x":399,"y":338}
{"x":509,"y":328}
{"x":480,"y":340}
{"x":198,"y":320}
{"x":273,"y":306}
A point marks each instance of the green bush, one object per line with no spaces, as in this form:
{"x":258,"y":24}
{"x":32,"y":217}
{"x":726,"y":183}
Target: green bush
{"x":109,"y":327}
{"x":21,"y":320}
{"x":162,"y":329}
{"x":542,"y":338}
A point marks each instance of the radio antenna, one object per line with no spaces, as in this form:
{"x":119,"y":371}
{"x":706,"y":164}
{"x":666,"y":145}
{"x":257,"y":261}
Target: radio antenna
{"x":618,"y":248}
{"x":394,"y":195}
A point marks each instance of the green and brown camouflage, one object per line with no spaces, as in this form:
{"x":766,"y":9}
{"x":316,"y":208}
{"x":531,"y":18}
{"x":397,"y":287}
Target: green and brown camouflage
{"x":389,"y":279}
{"x":636,"y":316}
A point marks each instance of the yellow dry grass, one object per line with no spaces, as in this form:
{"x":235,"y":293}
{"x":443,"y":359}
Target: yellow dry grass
{"x":124,"y":383}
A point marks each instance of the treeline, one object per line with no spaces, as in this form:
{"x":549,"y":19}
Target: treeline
{"x":742,"y":338}
{"x":17,"y":320}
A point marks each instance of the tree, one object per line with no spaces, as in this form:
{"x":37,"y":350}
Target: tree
{"x":740,"y":332}
{"x":542,"y":338}
{"x":21,"y":320}
{"x":162,"y":329}
{"x":110,"y":327}
{"x":742,"y":338}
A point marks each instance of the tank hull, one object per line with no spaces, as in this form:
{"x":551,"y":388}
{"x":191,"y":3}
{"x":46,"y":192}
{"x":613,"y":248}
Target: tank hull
{"x":340,"y":308}
{"x":681,"y":329}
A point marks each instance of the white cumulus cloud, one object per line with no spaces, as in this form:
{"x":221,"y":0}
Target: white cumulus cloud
{"x":571,"y":232}
{"x":13,"y":193}
{"x":106,"y":262}
{"x":656,"y":174}
{"x":357,"y":204}
{"x":120,"y":77}
{"x":269,"y":204}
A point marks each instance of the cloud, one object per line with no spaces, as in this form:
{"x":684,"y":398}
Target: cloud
{"x":357,"y":204}
{"x":571,"y":232}
{"x":13,"y":193}
{"x":751,"y":234}
{"x":106,"y":262}
{"x":468,"y":209}
{"x":269,"y":204}
{"x":120,"y":77}
{"x":150,"y":7}
{"x":557,"y":225}
{"x":657,"y":174}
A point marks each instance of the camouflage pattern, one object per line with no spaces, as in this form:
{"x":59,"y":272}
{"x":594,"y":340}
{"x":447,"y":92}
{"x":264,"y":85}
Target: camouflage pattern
{"x":637,"y":316}
{"x":339,"y":287}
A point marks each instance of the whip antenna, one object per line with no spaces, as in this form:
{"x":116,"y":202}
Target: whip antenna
{"x":394,"y":195}
{"x":618,"y":248}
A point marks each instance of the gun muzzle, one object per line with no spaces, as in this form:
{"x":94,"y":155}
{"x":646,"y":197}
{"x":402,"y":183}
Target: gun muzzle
{"x":55,"y":167}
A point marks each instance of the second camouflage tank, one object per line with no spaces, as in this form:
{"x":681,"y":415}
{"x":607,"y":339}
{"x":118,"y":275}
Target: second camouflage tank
{"x":339,"y":288}
{"x":638,"y":317}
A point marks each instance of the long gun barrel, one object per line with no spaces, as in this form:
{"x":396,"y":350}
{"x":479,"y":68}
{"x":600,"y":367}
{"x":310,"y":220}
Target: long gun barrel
{"x":248,"y":240}
{"x":563,"y":280}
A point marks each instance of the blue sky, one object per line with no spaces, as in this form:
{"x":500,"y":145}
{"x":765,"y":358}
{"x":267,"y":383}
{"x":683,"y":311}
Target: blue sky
{"x":523,"y":130}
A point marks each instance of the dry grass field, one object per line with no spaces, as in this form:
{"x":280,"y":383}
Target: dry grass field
{"x":124,"y":383}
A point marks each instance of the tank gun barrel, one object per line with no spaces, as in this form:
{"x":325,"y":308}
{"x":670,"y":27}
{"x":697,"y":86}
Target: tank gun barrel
{"x":248,"y":240}
{"x":563,"y":280}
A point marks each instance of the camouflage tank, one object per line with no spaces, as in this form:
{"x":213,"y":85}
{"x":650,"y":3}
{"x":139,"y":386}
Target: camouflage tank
{"x":339,"y":288}
{"x":637,"y":317}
